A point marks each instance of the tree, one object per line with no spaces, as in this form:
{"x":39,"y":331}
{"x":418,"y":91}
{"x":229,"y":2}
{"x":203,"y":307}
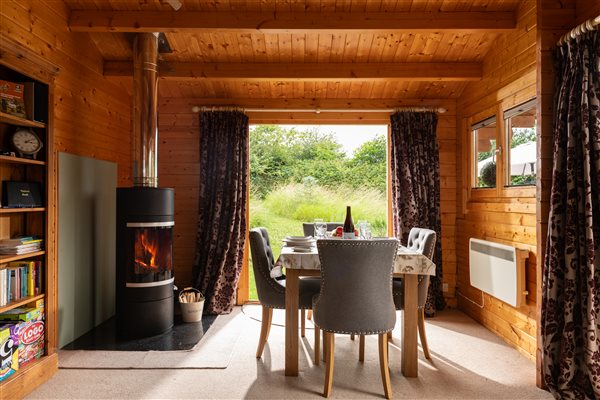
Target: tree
{"x":522,"y":135}
{"x":371,"y":152}
{"x":279,"y":156}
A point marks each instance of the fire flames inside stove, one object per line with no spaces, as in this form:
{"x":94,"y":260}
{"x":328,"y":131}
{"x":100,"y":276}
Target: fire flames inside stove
{"x":152,"y":254}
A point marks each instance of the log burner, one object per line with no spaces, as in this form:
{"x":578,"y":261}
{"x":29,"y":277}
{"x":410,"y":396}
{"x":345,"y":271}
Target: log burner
{"x":145,"y":214}
{"x":144,"y":261}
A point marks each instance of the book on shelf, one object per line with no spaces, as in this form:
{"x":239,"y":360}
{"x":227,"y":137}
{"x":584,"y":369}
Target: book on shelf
{"x":16,"y":241}
{"x":20,"y":279}
{"x":24,"y":249}
{"x":17,"y":246}
{"x":11,"y":98}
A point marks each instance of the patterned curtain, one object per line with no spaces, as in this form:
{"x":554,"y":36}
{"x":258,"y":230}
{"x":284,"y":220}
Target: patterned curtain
{"x":221,"y":230}
{"x":571,"y":280}
{"x":415,"y":172}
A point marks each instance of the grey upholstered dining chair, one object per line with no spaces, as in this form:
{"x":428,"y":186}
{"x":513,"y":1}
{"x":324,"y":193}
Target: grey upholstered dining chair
{"x":356,"y":296}
{"x":423,"y":241}
{"x":309,"y":227}
{"x":271,"y":292}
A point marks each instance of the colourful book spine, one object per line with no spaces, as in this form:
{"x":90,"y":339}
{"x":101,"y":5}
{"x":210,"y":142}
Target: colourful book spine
{"x":23,"y":270}
{"x":38,"y":276}
{"x":30,"y":279}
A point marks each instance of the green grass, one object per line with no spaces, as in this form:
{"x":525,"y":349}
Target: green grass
{"x":284,"y":210}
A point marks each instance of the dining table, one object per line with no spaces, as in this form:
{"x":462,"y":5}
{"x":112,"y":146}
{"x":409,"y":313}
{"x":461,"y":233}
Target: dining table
{"x":408,"y":264}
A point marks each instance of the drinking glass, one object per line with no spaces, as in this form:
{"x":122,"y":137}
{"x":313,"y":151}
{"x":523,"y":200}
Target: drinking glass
{"x":367,"y":231}
{"x":361,"y":228}
{"x":320,"y":228}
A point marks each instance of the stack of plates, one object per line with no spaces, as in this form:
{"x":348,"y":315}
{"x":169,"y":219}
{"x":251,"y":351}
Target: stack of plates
{"x":300,"y":244}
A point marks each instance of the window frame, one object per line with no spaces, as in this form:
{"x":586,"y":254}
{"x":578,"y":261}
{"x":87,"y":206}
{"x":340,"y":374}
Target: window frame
{"x":486,"y":122}
{"x":501,"y":190}
{"x":509,"y":113}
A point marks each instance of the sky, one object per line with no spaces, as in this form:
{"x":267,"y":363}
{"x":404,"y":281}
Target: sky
{"x":349,"y":136}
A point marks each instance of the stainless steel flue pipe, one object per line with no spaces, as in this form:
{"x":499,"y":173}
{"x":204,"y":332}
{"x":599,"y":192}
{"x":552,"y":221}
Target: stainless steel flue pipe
{"x":144,"y":142}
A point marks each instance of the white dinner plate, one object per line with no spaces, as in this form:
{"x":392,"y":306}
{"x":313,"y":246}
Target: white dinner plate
{"x":300,"y":238}
{"x":303,"y":242}
{"x":303,"y":249}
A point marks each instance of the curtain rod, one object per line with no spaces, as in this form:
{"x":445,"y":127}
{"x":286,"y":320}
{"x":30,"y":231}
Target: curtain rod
{"x":587,"y":26}
{"x":440,"y":110}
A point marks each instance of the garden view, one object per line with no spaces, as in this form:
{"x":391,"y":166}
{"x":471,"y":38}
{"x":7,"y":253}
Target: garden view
{"x":299,"y":175}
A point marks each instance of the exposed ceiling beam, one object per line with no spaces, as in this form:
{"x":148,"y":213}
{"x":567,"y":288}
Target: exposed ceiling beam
{"x":308,"y":71}
{"x":290,"y":22}
{"x":181,"y":105}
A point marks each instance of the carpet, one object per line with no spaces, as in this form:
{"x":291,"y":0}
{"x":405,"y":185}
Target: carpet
{"x":212,"y":352}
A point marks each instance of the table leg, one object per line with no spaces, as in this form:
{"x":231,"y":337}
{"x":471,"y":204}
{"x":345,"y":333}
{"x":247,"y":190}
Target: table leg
{"x":291,"y":322}
{"x":409,"y":327}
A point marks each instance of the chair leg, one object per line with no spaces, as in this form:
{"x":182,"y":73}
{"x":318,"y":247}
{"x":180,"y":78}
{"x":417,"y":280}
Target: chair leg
{"x":383,"y":365}
{"x":389,"y":335}
{"x":265,"y":328}
{"x":302,"y":323}
{"x":361,"y":348}
{"x":422,"y":335}
{"x":309,"y":315}
{"x":317,"y":345}
{"x":325,"y":344}
{"x":330,"y":339}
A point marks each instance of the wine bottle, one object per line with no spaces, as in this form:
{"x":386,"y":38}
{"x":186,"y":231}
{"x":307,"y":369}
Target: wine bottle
{"x":348,"y":225}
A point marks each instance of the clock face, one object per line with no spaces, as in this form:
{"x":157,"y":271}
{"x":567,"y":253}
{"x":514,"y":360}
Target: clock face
{"x":26,"y":141}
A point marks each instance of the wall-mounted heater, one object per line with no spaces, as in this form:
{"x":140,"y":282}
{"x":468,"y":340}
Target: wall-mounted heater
{"x":499,"y":270}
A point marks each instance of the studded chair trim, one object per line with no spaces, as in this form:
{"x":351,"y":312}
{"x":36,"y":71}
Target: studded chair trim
{"x":356,"y":286}
{"x":423,"y":241}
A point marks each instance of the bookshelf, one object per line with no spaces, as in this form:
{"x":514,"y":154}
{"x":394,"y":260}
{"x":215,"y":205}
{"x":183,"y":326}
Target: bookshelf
{"x":38,"y":221}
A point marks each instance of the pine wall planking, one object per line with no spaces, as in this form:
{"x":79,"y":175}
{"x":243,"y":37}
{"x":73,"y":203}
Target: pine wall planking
{"x":508,"y":218}
{"x":91,"y":113}
{"x":179,"y":168}
{"x":586,"y":9}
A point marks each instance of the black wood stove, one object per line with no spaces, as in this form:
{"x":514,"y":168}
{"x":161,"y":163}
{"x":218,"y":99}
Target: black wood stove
{"x":145,"y":214}
{"x":144,"y":261}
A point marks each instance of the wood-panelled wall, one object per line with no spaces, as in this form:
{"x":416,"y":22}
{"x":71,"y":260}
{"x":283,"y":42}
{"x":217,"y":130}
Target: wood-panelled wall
{"x":179,"y":168}
{"x":446,"y":134}
{"x":505,"y":216}
{"x":91,"y":114}
{"x":585,"y":9}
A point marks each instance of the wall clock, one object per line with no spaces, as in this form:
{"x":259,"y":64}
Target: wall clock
{"x":26,"y":142}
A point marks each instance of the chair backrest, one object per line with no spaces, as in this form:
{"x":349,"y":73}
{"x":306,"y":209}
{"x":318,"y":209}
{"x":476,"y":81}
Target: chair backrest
{"x":309,"y":227}
{"x":423,"y":241}
{"x":356,"y":286}
{"x":269,"y":291}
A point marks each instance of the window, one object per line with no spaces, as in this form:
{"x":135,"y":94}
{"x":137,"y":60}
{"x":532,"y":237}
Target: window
{"x":484,"y":152}
{"x":520,"y":159}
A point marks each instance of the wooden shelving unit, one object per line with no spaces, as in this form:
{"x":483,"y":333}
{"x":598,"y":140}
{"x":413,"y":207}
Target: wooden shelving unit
{"x":38,"y":221}
{"x":19,"y":160}
{"x":18,"y":121}
{"x":6,"y":259}
{"x":20,"y":302}
{"x":21,"y":210}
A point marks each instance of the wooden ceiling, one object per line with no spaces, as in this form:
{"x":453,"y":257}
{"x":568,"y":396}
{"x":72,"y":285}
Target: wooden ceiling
{"x":309,"y":49}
